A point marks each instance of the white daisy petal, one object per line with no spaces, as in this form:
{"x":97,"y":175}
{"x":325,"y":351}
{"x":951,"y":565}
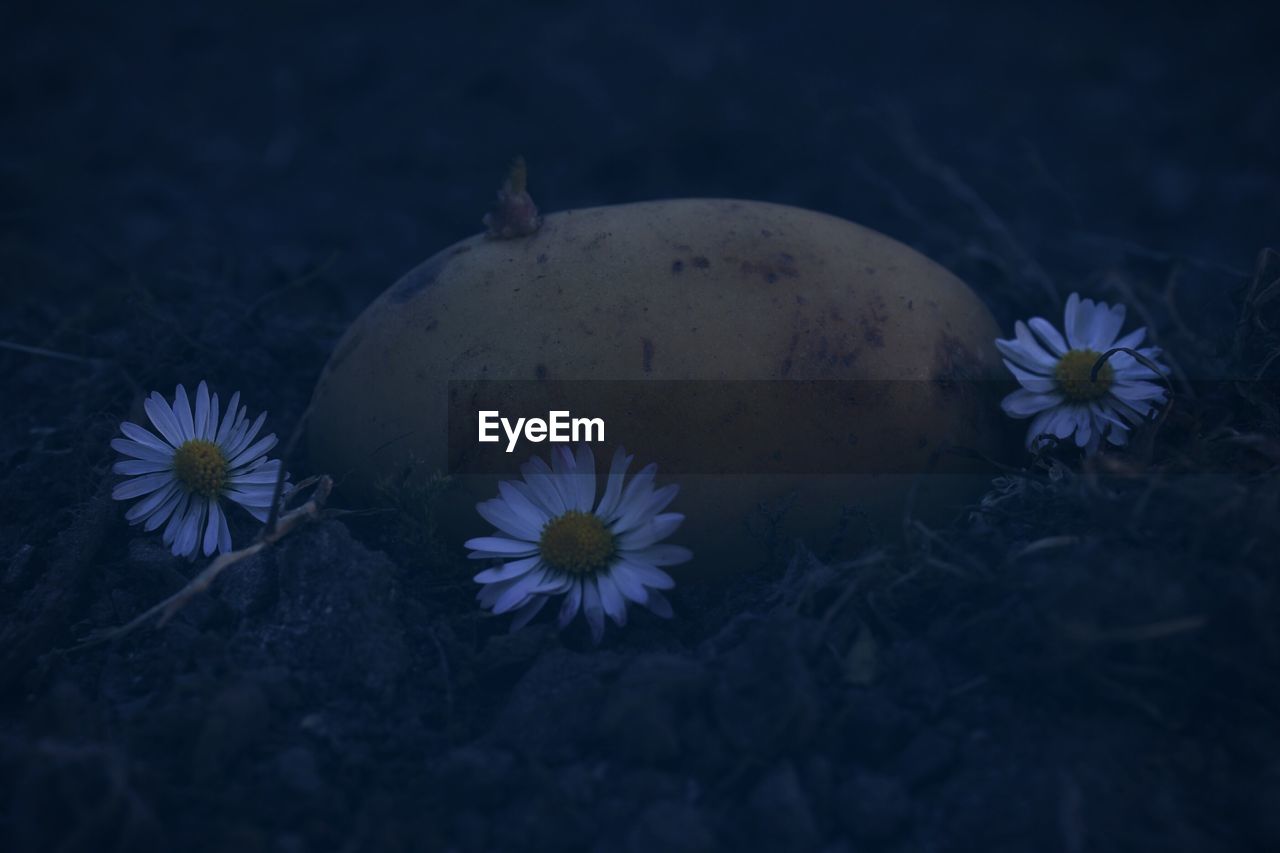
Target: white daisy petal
{"x":648,"y":575}
{"x":202,"y":411}
{"x":182,"y":411}
{"x":615,"y":605}
{"x":151,"y":502}
{"x":1106,"y":326}
{"x":257,"y":449}
{"x":212,"y":527}
{"x":1077,"y":321}
{"x":144,"y":485}
{"x":613,"y":485}
{"x":163,"y":418}
{"x":184,"y":544}
{"x":228,"y":420}
{"x":164,"y":512}
{"x":656,"y":529}
{"x":572,"y":601}
{"x":1023,"y":403}
{"x":144,"y":437}
{"x":1026,"y":351}
{"x":522,"y":505}
{"x":509,"y":571}
{"x":525,"y":614}
{"x":499,"y":513}
{"x":175,"y":520}
{"x":593,"y":608}
{"x":141,"y":451}
{"x":500,"y":545}
{"x":1049,"y":336}
{"x":1031,"y":381}
{"x":134,"y":467}
{"x":629,"y":584}
{"x":659,"y":605}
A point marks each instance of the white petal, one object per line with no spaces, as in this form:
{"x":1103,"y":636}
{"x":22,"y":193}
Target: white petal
{"x":182,"y":411}
{"x":141,"y":451}
{"x":144,"y":485}
{"x":151,"y":502}
{"x":145,"y":438}
{"x":202,"y":414}
{"x":499,"y":513}
{"x":255,"y":450}
{"x":224,"y":534}
{"x":524,"y":586}
{"x":1130,"y":391}
{"x":613,"y":485}
{"x":212,"y":526}
{"x":585,"y":479}
{"x":1031,"y":381}
{"x":1026,"y":351}
{"x":593,"y":608}
{"x":499,"y":545}
{"x":614,"y":603}
{"x":655,"y":530}
{"x":134,"y":467}
{"x":228,"y":420}
{"x":522,"y":505}
{"x":629,"y":584}
{"x":572,"y":601}
{"x":647,"y":574}
{"x":508,"y":571}
{"x":1049,"y":336}
{"x":1107,"y":323}
{"x":1131,"y":340}
{"x":164,"y":512}
{"x":525,"y":614}
{"x":163,"y":418}
{"x":1023,"y":403}
{"x":636,"y":511}
{"x":175,"y":520}
{"x":1077,"y":320}
{"x":243,"y":436}
{"x":659,"y":605}
{"x":185,"y":543}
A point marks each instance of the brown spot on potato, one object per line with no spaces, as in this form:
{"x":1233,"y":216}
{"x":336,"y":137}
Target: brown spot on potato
{"x":540,"y":371}
{"x":646,"y":354}
{"x":677,"y":266}
{"x":872,"y":335}
{"x":772,"y":268}
{"x":542,"y":258}
{"x":700,"y":262}
{"x":955,"y":366}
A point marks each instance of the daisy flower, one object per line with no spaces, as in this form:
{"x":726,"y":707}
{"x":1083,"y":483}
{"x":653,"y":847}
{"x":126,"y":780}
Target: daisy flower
{"x":199,"y":457}
{"x":551,"y":541}
{"x":1054,"y":371}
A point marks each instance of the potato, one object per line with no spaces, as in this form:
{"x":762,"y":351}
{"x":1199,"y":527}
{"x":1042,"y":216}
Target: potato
{"x":697,"y":289}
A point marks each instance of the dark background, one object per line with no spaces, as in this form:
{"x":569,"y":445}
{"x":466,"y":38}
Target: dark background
{"x":216,"y":191}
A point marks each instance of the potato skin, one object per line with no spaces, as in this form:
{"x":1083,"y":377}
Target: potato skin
{"x":679,"y":289}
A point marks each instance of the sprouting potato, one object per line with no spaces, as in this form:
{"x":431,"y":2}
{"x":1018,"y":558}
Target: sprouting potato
{"x":697,"y":289}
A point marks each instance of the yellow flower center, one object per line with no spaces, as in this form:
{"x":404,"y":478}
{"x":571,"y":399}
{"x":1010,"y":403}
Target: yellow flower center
{"x":576,"y":542}
{"x":200,"y":467}
{"x":1072,"y":375}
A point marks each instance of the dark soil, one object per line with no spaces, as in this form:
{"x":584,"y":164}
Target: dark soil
{"x":1089,"y":660}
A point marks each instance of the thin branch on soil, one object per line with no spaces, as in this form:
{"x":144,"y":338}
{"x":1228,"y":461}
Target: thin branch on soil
{"x":310,"y":511}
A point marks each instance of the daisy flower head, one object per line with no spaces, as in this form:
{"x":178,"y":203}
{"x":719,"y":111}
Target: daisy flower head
{"x":195,"y":458}
{"x":554,"y":539}
{"x":1059,"y":391}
